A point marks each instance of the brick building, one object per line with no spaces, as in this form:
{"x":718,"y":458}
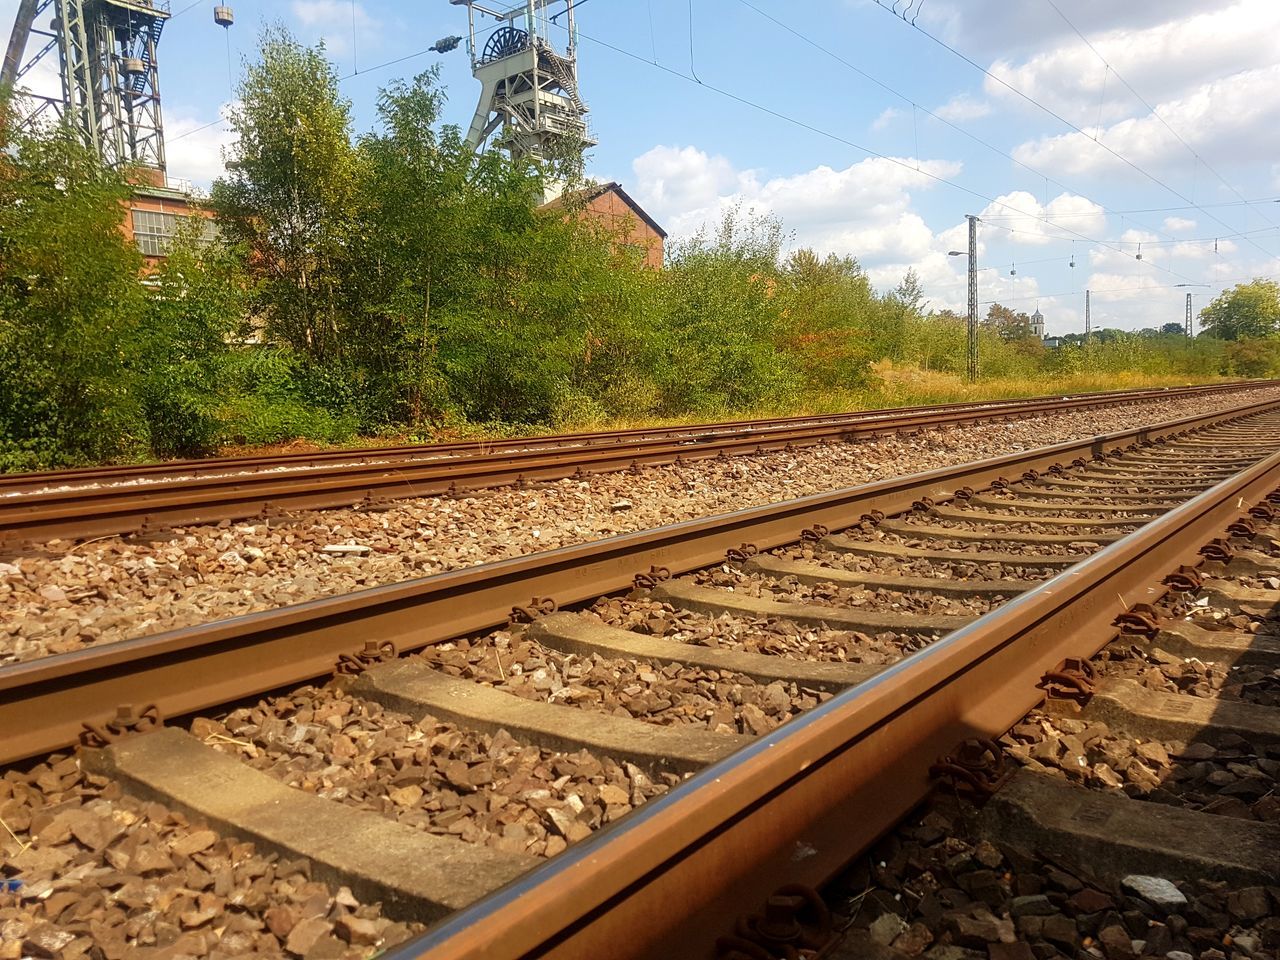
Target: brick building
{"x":155,"y":213}
{"x":613,"y":205}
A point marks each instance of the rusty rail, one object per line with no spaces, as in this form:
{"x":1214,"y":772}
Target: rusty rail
{"x":796,"y":805}
{"x":345,"y":478}
{"x":44,"y":703}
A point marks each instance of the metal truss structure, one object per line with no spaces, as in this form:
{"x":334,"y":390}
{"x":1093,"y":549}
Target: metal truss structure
{"x":110,"y":79}
{"x":529,"y":90}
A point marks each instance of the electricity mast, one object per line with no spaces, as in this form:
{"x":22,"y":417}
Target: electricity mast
{"x":110,"y":78}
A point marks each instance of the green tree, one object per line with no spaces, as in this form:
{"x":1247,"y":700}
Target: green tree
{"x":1246,"y":310}
{"x":70,"y":299}
{"x":827,"y":306}
{"x":1008,"y":324}
{"x":909,"y":292}
{"x":1172,"y":329}
{"x":723,"y":318}
{"x":288,"y":193}
{"x":1253,"y":358}
{"x":188,"y":342}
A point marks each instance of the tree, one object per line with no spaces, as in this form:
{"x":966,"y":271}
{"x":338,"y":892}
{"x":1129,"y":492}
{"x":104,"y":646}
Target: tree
{"x":188,"y":341}
{"x":287,"y":195}
{"x":1247,"y":310}
{"x":828,"y":306}
{"x":909,"y":292}
{"x":1173,"y":329}
{"x":1008,"y":324}
{"x":1255,"y":357}
{"x":70,"y":299}
{"x":415,"y":221}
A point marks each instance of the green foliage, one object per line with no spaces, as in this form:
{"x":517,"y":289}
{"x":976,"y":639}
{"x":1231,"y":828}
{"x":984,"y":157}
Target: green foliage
{"x":186,"y":344}
{"x":270,"y":397}
{"x":721,"y":317}
{"x":70,"y":306}
{"x":287,"y":197}
{"x":1007,"y":324}
{"x":398,"y":284}
{"x":1248,"y":310}
{"x":1253,"y":358}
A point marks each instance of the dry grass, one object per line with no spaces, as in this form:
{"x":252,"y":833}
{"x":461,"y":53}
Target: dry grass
{"x":893,"y":386}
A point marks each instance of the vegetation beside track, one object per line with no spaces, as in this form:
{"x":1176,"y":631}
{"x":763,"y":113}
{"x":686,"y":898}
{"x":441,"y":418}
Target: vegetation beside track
{"x":392,"y":284}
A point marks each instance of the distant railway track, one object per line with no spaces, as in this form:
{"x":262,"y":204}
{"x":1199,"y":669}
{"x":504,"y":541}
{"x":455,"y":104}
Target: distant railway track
{"x":948,"y":568}
{"x":102,"y":501}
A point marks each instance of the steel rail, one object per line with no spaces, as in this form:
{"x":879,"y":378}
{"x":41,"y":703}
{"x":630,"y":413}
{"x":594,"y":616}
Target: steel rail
{"x":105,"y":510}
{"x":692,"y":433}
{"x":798,"y":804}
{"x":45,"y":702}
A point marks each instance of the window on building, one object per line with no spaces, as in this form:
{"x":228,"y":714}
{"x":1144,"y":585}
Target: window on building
{"x":154,"y":231}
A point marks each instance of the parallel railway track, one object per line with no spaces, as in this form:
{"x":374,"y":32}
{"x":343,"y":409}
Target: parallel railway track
{"x":102,"y":501}
{"x":889,"y":622}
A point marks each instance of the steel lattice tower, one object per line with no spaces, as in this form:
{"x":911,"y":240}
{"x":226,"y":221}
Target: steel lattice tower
{"x":529,"y":89}
{"x":106,"y":53}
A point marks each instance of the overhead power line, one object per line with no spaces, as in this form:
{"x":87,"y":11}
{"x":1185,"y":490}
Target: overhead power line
{"x":884,"y":85}
{"x":1065,"y":122}
{"x":1154,"y":112}
{"x":805,"y":125}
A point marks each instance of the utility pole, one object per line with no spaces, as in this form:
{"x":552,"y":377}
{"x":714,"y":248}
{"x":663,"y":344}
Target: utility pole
{"x":973,"y":297}
{"x":973,"y":294}
{"x":1088,"y":326}
{"x":1190,"y":322}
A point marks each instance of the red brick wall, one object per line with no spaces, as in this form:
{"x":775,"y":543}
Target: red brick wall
{"x":619,"y":216}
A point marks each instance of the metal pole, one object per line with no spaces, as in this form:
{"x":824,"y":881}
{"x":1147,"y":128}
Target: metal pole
{"x":1190,"y":322}
{"x":1088,"y":327}
{"x":973,"y":297}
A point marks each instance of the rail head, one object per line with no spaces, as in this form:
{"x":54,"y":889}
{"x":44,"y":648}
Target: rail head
{"x":798,"y":803}
{"x":44,"y":703}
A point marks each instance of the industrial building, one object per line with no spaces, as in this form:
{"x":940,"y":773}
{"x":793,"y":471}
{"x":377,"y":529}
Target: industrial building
{"x":109,"y":73}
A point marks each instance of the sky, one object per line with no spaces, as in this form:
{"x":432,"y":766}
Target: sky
{"x":1136,"y":140}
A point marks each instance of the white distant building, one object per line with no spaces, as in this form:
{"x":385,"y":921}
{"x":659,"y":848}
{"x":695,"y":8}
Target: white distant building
{"x":1037,"y":324}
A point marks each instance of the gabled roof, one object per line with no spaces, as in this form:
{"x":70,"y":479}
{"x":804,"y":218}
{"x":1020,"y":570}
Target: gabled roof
{"x":587,"y":194}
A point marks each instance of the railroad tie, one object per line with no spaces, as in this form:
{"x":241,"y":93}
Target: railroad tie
{"x":416,"y":688}
{"x":585,"y":635}
{"x":708,"y":600}
{"x":416,"y":875}
{"x":1128,"y":706}
{"x":1190,"y":640}
{"x":842,"y":543}
{"x":1105,"y":834}
{"x":773,"y":566}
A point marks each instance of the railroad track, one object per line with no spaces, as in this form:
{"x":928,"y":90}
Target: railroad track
{"x":149,"y":499}
{"x":803,"y":665}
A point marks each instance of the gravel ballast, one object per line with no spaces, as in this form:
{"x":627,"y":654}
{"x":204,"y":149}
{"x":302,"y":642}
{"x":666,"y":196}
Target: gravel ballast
{"x":481,"y":788}
{"x":101,"y":874}
{"x":62,"y":597}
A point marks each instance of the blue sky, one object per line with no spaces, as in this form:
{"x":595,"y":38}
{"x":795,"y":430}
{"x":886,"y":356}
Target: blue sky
{"x":1178,"y":101}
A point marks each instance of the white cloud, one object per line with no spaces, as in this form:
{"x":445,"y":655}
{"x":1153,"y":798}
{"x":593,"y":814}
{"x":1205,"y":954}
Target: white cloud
{"x":1228,"y":119}
{"x":1178,"y":224}
{"x":963,"y":107}
{"x":1016,"y":215}
{"x":886,"y":117}
{"x":863,"y":210}
{"x":1162,"y":62}
{"x":335,"y":21}
{"x":193,"y":148}
{"x":997,"y":26}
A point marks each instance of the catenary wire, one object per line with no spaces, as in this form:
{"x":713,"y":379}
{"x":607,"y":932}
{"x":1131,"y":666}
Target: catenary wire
{"x":805,"y":125}
{"x":1154,"y":112}
{"x":1063,"y":120}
